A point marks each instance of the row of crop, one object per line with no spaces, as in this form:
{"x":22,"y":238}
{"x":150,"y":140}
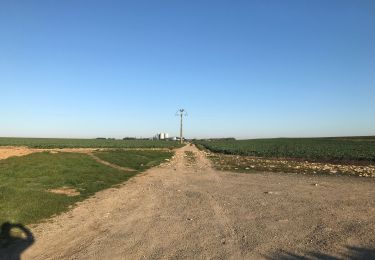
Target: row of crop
{"x":309,"y":149}
{"x":86,"y":143}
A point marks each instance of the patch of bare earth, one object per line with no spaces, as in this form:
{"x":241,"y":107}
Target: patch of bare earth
{"x":70,"y":192}
{"x":10,"y":151}
{"x":196,"y":212}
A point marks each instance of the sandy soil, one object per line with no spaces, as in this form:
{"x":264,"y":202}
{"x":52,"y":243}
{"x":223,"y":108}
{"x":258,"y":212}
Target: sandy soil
{"x":188,"y":210}
{"x":66,"y":191}
{"x":11,"y":151}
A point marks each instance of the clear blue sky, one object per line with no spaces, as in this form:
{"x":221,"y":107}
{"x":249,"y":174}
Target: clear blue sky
{"x":246,"y":69}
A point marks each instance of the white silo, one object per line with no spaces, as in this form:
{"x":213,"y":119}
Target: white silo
{"x":166,"y":135}
{"x":162,"y":136}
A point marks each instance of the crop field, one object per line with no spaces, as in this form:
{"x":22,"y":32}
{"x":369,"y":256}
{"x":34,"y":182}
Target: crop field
{"x":85,"y":143}
{"x":336,"y":150}
{"x":41,"y":184}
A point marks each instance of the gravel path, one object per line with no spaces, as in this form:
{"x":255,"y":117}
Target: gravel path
{"x":187,"y":210}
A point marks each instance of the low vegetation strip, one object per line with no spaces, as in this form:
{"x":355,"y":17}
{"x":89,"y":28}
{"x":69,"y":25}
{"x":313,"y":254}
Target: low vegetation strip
{"x":333,"y":150}
{"x":249,"y":164}
{"x":39,"y":185}
{"x":86,"y":143}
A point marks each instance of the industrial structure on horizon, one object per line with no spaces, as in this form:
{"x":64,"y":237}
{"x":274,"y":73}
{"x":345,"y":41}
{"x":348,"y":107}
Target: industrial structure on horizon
{"x":165,"y":136}
{"x":162,"y":136}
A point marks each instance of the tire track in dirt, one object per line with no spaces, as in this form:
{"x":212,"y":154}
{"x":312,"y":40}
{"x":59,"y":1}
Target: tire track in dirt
{"x":96,"y":158}
{"x":227,"y":227}
{"x":220,"y":212}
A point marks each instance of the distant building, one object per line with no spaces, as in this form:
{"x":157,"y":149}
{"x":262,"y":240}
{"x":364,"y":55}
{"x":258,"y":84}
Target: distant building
{"x":162,"y":136}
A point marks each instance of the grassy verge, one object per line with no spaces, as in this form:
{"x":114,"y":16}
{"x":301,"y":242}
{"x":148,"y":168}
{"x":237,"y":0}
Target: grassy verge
{"x":39,"y":185}
{"x":137,"y":160}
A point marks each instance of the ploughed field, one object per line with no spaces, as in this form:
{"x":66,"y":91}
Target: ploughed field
{"x":340,"y":155}
{"x":85,"y":143}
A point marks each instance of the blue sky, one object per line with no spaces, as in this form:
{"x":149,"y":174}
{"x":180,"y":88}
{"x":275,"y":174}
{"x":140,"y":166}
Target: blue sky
{"x":246,"y":69}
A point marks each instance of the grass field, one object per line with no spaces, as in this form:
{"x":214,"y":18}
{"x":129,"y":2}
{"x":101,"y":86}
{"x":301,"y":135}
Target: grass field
{"x":340,"y":149}
{"x":85,"y":143}
{"x":33,"y":187}
{"x":138,"y":160}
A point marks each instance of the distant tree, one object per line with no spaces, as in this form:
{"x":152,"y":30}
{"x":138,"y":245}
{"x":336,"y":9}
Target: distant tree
{"x":129,"y":138}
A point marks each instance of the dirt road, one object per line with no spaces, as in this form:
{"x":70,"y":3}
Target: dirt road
{"x":187,"y":210}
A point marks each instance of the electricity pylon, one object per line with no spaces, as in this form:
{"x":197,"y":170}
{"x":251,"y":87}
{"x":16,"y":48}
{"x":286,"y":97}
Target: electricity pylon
{"x":181,"y":112}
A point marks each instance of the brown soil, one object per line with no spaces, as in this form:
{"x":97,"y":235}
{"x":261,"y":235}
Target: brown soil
{"x":10,"y":151}
{"x":179,"y":212}
{"x":65,"y":191}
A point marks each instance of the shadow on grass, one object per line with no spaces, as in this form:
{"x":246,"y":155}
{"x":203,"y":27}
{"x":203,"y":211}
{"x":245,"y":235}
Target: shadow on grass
{"x":14,"y":239}
{"x":352,"y":252}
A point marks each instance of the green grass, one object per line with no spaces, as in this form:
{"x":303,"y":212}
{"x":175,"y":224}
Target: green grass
{"x":86,"y":143}
{"x":25,"y":181}
{"x":138,"y":160}
{"x":341,"y":149}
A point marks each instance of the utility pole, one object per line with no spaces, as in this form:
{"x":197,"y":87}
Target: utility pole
{"x":181,"y":112}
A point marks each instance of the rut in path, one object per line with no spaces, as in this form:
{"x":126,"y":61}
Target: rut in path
{"x":96,"y":158}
